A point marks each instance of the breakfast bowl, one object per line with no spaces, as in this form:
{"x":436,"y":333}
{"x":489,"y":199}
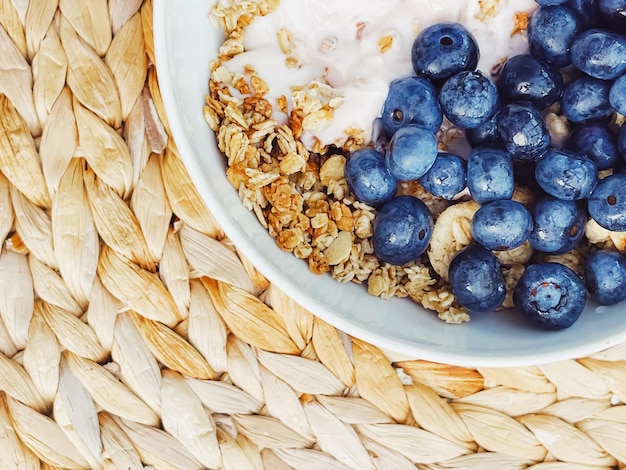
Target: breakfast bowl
{"x":186,"y":42}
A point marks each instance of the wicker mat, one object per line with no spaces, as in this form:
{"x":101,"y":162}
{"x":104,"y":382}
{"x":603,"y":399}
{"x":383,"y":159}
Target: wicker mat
{"x":109,"y":362}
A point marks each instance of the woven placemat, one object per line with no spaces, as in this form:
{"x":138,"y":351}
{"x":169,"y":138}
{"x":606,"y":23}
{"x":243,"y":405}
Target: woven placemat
{"x":134,"y":335}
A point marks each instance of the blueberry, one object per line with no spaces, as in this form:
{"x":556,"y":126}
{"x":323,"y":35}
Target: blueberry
{"x":447,"y":177}
{"x":586,"y":11}
{"x":490,"y":174}
{"x":476,"y":279}
{"x":402,"y":230}
{"x":617,"y":95}
{"x":605,"y":277}
{"x":369,"y":178}
{"x":523,"y":131}
{"x":549,"y":3}
{"x":613,"y":14}
{"x":501,"y":225}
{"x":600,"y":54}
{"x":586,"y":98}
{"x":469,"y":99}
{"x":525,"y":78}
{"x":411,"y":100}
{"x":566,"y":175}
{"x":486,"y":133}
{"x":558,"y":225}
{"x":597,"y":142}
{"x":443,"y":50}
{"x":550,"y":295}
{"x":551,"y":31}
{"x":411,"y":153}
{"x":607,"y":203}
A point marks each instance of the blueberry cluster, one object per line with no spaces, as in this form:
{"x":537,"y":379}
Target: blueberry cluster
{"x":576,"y":67}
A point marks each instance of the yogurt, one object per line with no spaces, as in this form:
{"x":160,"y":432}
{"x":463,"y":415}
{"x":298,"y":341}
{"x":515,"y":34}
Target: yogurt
{"x":357,"y":48}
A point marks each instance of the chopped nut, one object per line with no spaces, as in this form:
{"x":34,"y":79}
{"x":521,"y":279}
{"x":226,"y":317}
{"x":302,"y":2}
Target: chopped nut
{"x":385,"y":43}
{"x":360,"y":26}
{"x":619,"y":240}
{"x":281,"y":103}
{"x":497,"y":67}
{"x":520,"y":23}
{"x":333,"y":169}
{"x":240,"y":84}
{"x":260,"y":106}
{"x":558,"y":126}
{"x":328,"y":44}
{"x":598,"y":235}
{"x":292,"y":62}
{"x":339,"y":249}
{"x":295,"y":122}
{"x":488,"y":9}
{"x":524,"y":196}
{"x":284,"y":37}
{"x":259,"y":85}
{"x":336,"y":101}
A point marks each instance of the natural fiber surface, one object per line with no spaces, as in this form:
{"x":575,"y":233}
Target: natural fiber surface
{"x":133,"y":334}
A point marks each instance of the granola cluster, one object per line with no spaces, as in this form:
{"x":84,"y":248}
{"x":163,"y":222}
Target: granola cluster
{"x":301,"y":196}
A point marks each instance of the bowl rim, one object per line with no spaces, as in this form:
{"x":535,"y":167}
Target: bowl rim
{"x":395,"y":347}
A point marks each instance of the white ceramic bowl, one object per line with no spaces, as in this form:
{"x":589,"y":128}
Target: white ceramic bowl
{"x":185,"y":42}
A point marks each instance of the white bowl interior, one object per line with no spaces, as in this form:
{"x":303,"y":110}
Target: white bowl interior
{"x":185,"y":43}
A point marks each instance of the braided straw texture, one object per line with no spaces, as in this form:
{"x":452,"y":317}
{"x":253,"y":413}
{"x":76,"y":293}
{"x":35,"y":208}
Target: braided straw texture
{"x":134,"y":335}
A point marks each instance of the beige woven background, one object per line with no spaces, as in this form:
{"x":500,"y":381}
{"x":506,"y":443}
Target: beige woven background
{"x":133,"y":334}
